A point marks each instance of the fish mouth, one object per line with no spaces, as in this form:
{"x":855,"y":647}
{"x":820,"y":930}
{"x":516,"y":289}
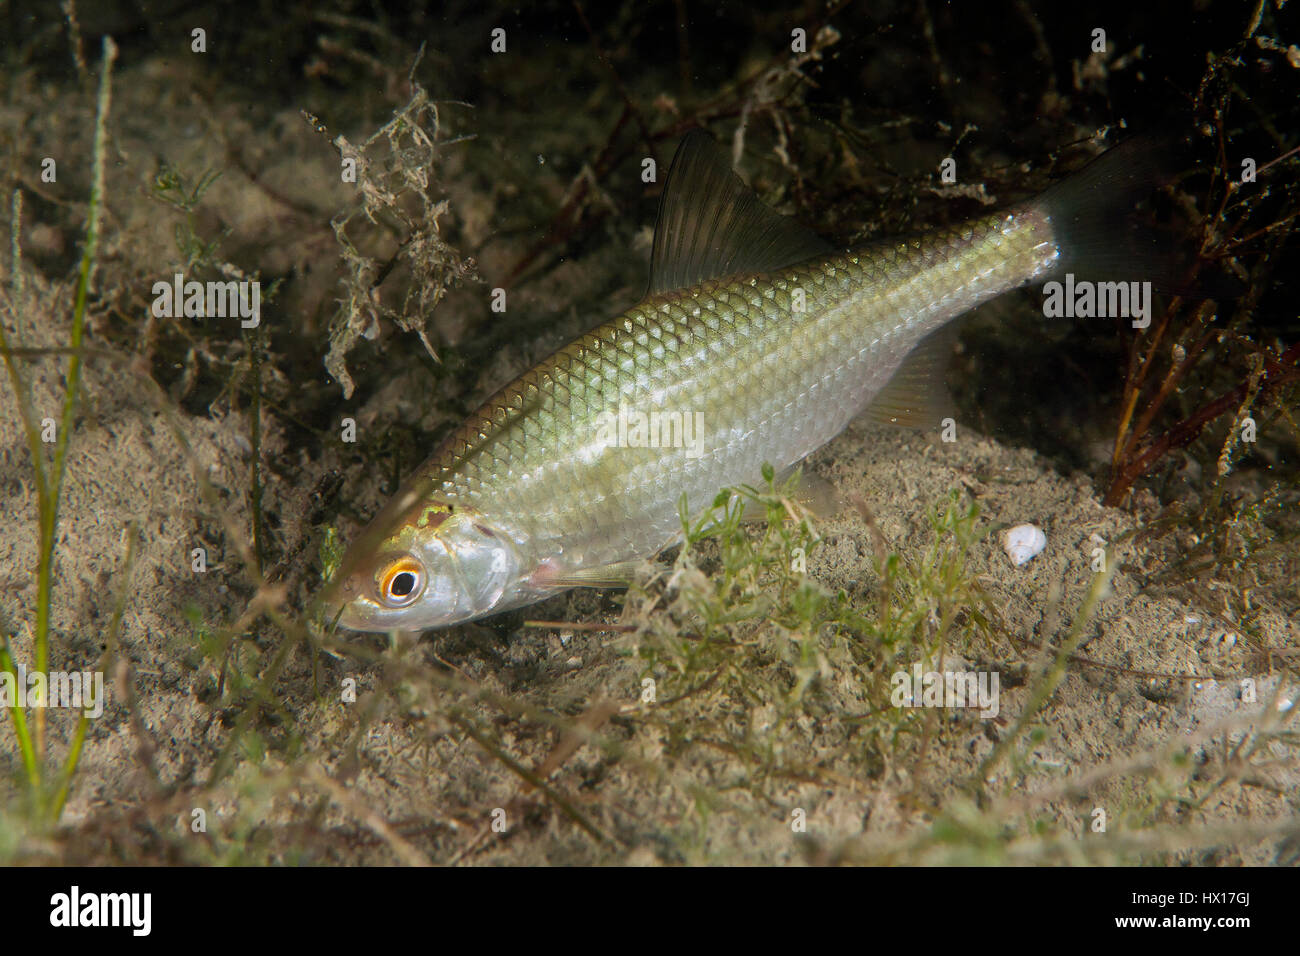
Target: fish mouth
{"x":337,"y":602}
{"x":345,"y":617}
{"x":338,"y":614}
{"x":354,"y":615}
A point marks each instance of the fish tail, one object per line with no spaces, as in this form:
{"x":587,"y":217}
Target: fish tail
{"x":1094,"y":223}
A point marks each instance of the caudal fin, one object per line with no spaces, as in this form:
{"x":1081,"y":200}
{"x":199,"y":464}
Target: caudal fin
{"x":1095,"y":222}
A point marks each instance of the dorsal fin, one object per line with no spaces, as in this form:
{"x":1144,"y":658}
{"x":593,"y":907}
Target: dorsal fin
{"x":712,"y":225}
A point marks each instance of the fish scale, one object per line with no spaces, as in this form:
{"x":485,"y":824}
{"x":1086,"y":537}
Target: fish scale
{"x":771,"y":383}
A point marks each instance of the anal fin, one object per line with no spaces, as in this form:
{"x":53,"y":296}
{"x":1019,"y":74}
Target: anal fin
{"x":916,"y":397}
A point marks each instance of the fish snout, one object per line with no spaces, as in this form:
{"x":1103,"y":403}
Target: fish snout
{"x":339,"y":599}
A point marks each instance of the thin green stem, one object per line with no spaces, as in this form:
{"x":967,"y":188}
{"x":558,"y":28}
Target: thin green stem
{"x":105,"y":664}
{"x":50,"y":506}
{"x":24,"y":736}
{"x":49,"y":482}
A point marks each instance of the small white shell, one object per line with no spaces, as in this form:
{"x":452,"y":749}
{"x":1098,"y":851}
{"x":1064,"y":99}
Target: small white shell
{"x":1023,"y":542}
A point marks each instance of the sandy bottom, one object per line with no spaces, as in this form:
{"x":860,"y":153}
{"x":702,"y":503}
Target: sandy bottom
{"x":415,"y":769}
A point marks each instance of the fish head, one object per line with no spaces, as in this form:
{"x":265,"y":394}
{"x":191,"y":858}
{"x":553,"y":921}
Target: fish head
{"x":422,"y":563}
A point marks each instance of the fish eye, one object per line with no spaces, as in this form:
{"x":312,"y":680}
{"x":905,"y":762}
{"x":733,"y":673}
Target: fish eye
{"x":402,"y":582}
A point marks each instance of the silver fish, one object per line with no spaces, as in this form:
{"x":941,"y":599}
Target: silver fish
{"x":756,"y":343}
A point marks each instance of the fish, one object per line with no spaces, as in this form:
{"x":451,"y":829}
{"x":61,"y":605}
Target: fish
{"x":756,"y":344}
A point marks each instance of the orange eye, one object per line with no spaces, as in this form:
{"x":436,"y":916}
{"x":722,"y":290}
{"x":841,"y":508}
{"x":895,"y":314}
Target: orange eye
{"x":402,"y":582}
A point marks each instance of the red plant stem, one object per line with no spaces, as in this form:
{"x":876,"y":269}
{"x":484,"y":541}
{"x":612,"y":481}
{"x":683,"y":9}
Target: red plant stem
{"x":1284,"y":368}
